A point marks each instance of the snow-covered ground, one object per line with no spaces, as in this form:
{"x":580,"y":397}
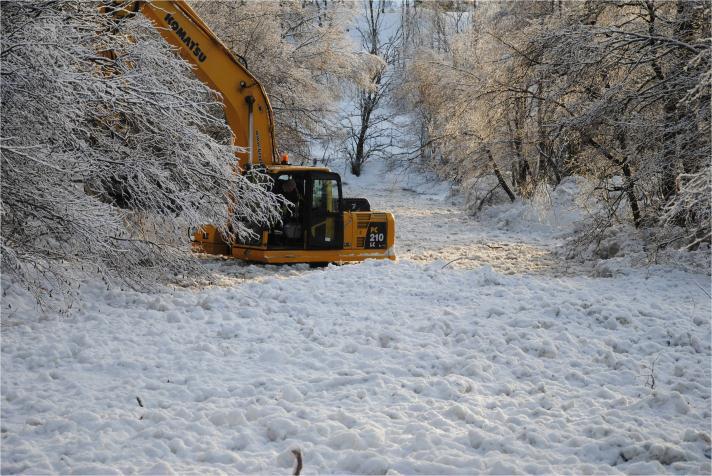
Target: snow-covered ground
{"x":508,"y":360}
{"x":432,"y":225}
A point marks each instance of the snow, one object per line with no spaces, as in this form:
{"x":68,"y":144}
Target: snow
{"x":510,"y":361}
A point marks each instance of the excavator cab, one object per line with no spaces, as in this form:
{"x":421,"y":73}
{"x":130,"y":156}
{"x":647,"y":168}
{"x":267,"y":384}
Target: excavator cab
{"x":312,"y":213}
{"x":318,"y":224}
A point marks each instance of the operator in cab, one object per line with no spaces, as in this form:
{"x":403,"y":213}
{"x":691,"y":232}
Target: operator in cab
{"x":292,"y":213}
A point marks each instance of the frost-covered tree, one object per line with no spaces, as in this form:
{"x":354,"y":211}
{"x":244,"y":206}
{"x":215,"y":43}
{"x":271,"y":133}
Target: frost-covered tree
{"x":107,"y":159}
{"x":302,"y":55}
{"x":368,"y":125}
{"x":621,"y":78}
{"x":429,"y":36}
{"x":615,"y":91}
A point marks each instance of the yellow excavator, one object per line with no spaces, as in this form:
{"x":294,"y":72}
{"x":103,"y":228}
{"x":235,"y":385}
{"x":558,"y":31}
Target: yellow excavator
{"x":322,"y":226}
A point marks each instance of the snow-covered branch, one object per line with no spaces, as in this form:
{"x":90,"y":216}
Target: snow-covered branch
{"x":101,"y":157}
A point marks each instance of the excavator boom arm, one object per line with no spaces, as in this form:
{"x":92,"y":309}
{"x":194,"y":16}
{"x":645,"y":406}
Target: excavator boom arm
{"x":247,"y":108}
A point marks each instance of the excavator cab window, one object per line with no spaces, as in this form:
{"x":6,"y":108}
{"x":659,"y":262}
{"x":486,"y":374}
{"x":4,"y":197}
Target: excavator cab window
{"x":312,"y":217}
{"x":325,"y":211}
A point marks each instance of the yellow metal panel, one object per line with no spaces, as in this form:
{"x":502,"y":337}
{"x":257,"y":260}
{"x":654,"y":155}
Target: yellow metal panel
{"x":208,"y":240}
{"x":308,"y":256}
{"x":349,"y":231}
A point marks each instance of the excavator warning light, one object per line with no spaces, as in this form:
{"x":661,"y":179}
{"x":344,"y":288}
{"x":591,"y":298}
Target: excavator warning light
{"x":285,"y":159}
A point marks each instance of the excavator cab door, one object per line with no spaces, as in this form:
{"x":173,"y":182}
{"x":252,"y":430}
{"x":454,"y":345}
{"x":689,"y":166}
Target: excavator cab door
{"x":325,"y":221}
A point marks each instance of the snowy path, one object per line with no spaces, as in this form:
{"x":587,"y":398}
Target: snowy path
{"x":433,"y":227}
{"x":502,"y":364}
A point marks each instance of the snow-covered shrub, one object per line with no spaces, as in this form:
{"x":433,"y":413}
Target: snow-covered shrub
{"x":688,"y":212}
{"x":104,"y":135}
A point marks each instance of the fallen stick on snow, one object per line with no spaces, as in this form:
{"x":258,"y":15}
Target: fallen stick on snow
{"x":297,"y":454}
{"x":456,"y":259}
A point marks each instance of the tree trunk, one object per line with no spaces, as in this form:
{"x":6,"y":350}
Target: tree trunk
{"x":500,"y":177}
{"x":629,"y":184}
